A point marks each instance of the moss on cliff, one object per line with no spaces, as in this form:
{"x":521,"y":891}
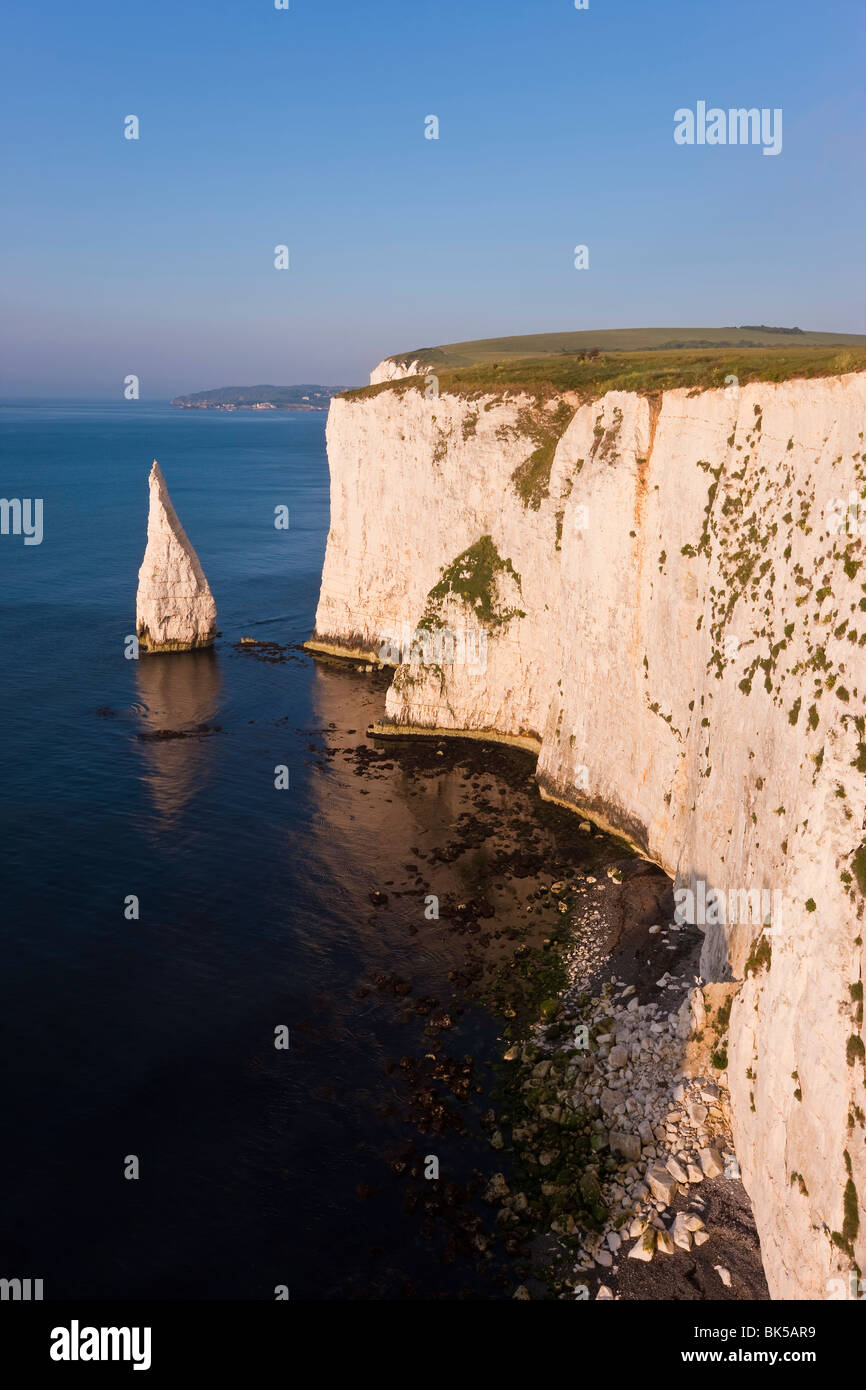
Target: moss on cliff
{"x":760,"y":956}
{"x":473,"y":577}
{"x":532,"y":477}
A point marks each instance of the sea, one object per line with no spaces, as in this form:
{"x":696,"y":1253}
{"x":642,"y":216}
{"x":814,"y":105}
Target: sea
{"x":253,"y":1034}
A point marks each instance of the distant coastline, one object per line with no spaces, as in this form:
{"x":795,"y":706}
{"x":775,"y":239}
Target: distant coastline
{"x":307,"y":396}
{"x":230,"y":405}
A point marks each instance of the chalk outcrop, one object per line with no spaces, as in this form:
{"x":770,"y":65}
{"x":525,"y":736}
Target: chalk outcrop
{"x":390,"y":369}
{"x":665,"y":598}
{"x":175,"y":609}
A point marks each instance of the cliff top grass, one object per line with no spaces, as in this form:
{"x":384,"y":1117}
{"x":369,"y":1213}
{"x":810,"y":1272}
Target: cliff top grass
{"x":648,"y":372}
{"x":567,"y":344}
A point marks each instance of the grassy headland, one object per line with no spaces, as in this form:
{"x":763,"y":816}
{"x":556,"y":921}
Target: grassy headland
{"x":645,"y":360}
{"x":534,"y":345}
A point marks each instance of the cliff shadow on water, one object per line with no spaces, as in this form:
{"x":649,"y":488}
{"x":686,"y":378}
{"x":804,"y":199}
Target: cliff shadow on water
{"x":459,"y":950}
{"x":530,"y":913}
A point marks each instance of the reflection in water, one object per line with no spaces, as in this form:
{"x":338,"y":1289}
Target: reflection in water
{"x":179,"y":698}
{"x":408,"y":1024}
{"x":386,"y":823}
{"x":356,"y":816}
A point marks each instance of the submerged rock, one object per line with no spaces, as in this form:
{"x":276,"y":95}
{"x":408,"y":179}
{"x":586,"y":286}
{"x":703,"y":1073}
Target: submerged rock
{"x":175,"y":609}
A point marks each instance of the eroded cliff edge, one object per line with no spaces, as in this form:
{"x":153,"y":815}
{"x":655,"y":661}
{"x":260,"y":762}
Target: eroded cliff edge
{"x":672,"y":602}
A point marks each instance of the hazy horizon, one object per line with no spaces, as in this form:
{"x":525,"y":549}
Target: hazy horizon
{"x":306,"y":128}
{"x":166,"y":399}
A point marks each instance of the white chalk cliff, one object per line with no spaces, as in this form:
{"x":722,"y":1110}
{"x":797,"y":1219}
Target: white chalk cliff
{"x":676,"y":622}
{"x":175,"y":609}
{"x":391,"y":369}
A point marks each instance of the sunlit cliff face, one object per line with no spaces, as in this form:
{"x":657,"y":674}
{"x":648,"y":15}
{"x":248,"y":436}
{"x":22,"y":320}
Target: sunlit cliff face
{"x":683,"y":642}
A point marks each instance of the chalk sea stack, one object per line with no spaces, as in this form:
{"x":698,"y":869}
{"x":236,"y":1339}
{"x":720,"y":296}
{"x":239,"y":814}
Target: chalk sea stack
{"x":175,"y":609}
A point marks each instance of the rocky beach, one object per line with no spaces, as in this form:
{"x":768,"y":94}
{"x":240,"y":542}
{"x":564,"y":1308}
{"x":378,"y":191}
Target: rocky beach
{"x":658,"y":593}
{"x":637,"y":1070}
{"x":610,"y":1171}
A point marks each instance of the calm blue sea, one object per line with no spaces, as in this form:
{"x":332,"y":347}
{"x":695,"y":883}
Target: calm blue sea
{"x":153,"y":1038}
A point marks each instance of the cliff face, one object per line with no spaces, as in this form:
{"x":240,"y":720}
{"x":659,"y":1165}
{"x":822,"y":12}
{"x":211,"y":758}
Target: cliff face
{"x":391,"y":370}
{"x":664,"y":598}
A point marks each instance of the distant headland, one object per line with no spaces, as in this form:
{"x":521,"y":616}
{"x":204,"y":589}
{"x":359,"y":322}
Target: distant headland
{"x":304,"y":397}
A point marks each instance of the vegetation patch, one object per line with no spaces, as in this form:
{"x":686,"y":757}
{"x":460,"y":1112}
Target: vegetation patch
{"x":851,"y":1224}
{"x":473,"y":578}
{"x":644,"y":372}
{"x":858,"y":864}
{"x":760,"y":956}
{"x":532,"y":477}
{"x":844,"y":1239}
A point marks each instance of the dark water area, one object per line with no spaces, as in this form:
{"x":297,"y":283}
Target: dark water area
{"x":307,"y":908}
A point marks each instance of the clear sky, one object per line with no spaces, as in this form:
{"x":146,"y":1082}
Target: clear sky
{"x":305,"y":127}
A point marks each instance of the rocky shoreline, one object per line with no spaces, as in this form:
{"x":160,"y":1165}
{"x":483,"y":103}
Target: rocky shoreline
{"x":611,"y":1118}
{"x":620,"y":1117}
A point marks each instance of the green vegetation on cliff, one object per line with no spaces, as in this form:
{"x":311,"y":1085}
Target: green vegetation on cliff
{"x":532,"y":477}
{"x":644,"y":372}
{"x":473,"y":577}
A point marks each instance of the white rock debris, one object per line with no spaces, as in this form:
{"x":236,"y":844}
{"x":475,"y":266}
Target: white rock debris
{"x":653,"y":1116}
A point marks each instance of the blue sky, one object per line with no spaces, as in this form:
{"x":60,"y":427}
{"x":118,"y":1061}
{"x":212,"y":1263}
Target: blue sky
{"x":306,"y":127}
